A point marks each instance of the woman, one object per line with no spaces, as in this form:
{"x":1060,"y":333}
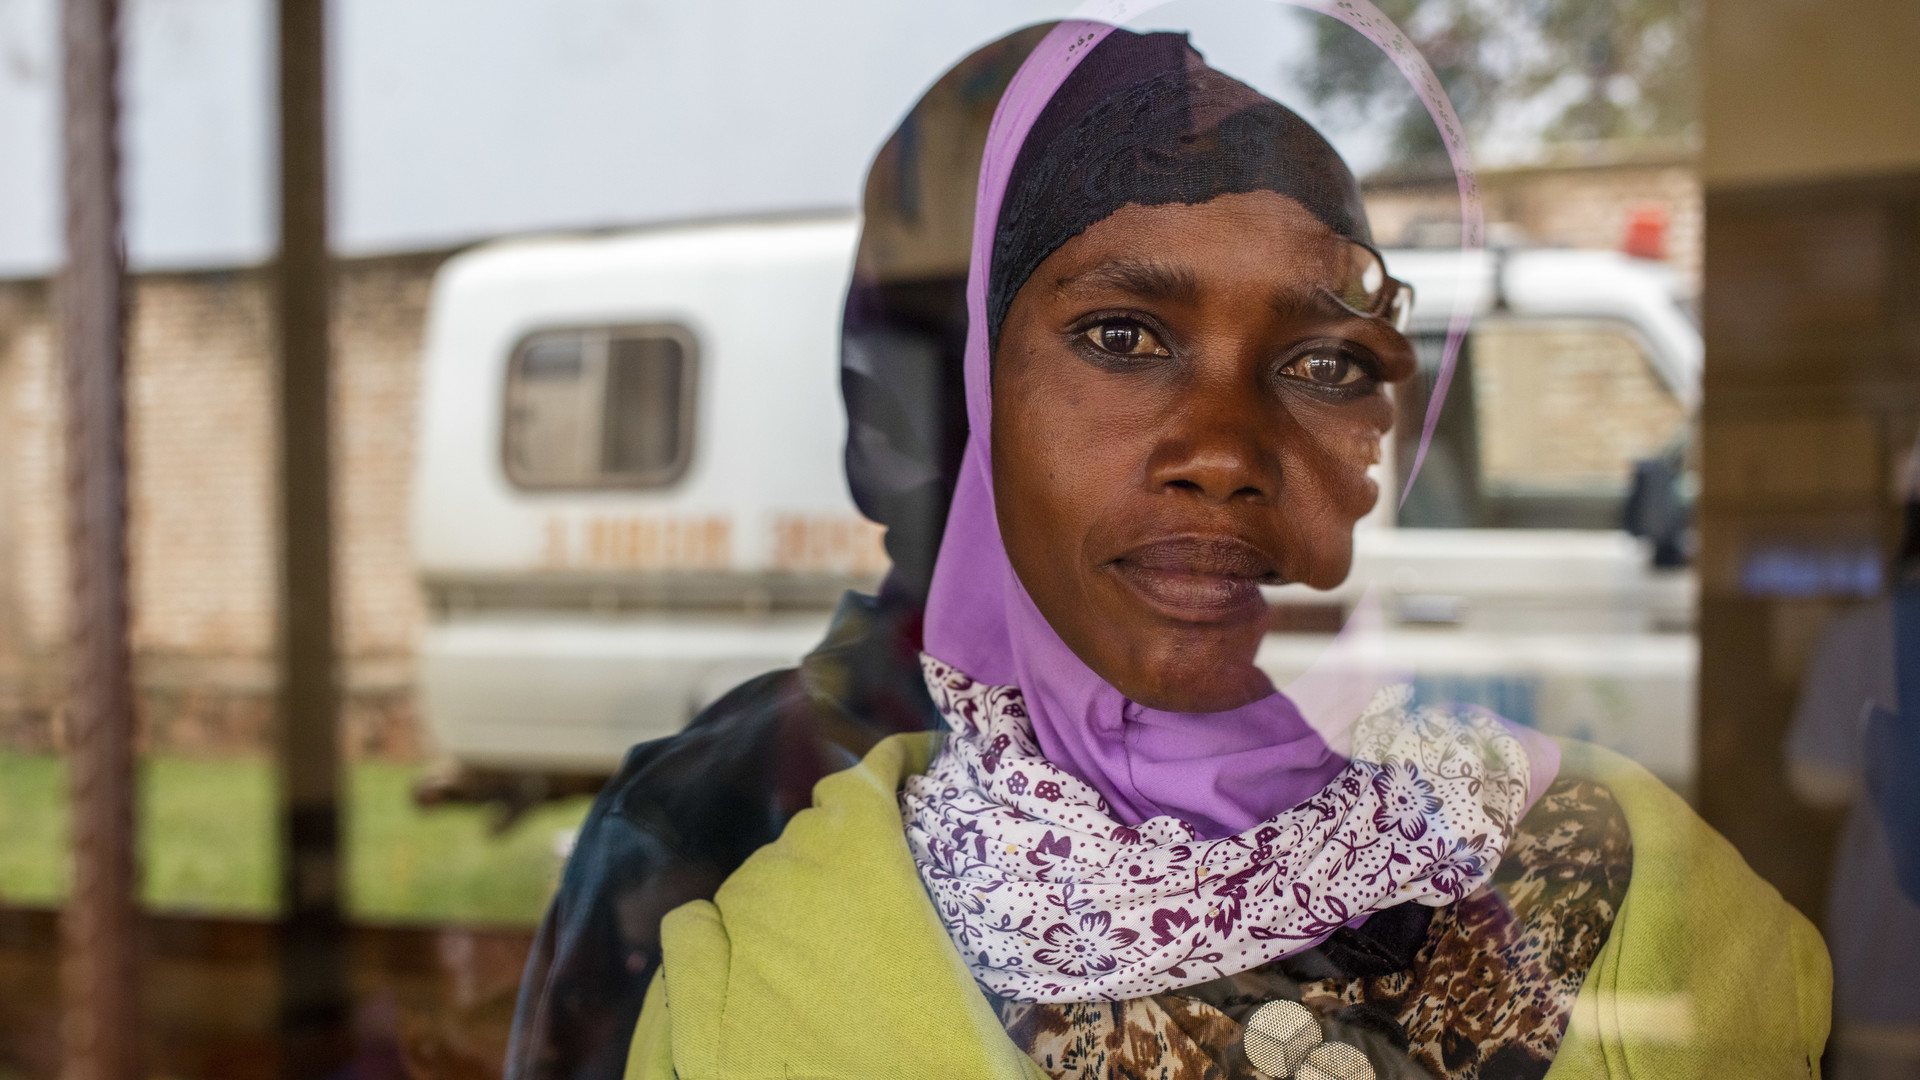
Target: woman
{"x":1129,"y":855}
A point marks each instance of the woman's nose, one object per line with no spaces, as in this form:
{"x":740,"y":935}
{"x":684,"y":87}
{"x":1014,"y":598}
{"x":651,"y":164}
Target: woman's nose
{"x":1214,"y":447}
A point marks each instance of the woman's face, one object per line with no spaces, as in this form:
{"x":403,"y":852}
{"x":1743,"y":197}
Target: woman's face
{"x":1181,"y":413}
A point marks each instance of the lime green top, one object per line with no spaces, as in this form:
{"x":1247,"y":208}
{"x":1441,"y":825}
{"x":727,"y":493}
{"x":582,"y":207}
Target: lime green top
{"x":822,"y":956}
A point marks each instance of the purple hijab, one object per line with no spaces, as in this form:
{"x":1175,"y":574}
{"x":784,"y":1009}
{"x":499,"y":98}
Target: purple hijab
{"x":1221,"y":772}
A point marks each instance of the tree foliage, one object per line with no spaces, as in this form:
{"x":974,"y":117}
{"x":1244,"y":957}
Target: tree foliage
{"x":1598,"y":69}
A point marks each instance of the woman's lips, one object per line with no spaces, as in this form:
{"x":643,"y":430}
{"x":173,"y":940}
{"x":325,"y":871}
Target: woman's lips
{"x":1197,"y":579}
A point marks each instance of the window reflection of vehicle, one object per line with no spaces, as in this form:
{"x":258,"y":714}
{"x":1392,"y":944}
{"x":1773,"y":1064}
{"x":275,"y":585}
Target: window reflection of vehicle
{"x":617,"y":519}
{"x":1506,"y":576}
{"x":1579,"y":365}
{"x":1551,"y":417}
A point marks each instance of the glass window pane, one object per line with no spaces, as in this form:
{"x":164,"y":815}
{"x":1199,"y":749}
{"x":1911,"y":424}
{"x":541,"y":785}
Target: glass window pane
{"x":1544,"y":424}
{"x":599,"y":407}
{"x":549,"y":412}
{"x":1446,"y":494}
{"x":642,"y":430}
{"x":1566,"y":408}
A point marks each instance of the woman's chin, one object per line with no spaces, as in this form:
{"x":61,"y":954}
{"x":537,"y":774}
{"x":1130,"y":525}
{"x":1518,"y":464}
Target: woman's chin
{"x":1185,"y":684}
{"x":1164,"y":661}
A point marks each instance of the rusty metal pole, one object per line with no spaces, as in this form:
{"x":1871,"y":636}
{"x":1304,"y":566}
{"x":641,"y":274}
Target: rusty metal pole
{"x":313,"y":964}
{"x":100,"y":970}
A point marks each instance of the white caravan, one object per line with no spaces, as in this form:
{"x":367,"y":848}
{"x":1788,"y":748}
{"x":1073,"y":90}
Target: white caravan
{"x":630,"y":496}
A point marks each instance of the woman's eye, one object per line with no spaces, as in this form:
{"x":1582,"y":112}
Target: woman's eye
{"x":1326,"y":367}
{"x":1125,"y":339}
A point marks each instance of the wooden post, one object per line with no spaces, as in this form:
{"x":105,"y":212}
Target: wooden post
{"x":313,"y":971}
{"x":100,"y":928}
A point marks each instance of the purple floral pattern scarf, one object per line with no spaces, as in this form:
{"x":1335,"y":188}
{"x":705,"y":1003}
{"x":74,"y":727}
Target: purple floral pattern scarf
{"x":1049,"y":897}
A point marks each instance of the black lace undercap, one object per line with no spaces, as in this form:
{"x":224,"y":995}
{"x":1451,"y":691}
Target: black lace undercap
{"x":1144,"y":120}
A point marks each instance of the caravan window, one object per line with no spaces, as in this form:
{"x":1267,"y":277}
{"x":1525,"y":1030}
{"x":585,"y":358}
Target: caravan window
{"x":600,"y":407}
{"x":1542,"y":426}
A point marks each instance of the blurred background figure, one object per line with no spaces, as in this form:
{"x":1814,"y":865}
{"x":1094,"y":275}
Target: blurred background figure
{"x":1853,"y":745}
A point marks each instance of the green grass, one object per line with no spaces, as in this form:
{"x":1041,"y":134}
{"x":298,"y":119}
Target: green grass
{"x":33,"y":826}
{"x":207,"y":843}
{"x":206,"y":834}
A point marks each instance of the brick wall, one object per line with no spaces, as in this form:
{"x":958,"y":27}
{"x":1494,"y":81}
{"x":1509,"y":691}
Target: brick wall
{"x":1567,"y":204}
{"x":201,"y":452}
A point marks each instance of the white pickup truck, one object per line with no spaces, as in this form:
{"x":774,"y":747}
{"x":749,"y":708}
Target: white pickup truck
{"x":629,"y":493}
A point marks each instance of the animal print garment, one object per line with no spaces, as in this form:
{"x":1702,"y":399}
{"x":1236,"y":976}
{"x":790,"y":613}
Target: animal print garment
{"x":1486,"y":996}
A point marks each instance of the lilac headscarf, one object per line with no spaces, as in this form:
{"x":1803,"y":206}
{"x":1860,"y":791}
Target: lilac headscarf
{"x":1221,"y":772}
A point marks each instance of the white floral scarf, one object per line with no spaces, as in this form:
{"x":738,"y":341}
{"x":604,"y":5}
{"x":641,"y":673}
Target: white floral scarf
{"x":1049,"y":898}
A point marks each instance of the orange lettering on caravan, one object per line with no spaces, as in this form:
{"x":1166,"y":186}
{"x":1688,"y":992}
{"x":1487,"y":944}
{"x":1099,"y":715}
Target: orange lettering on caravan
{"x":830,"y":545}
{"x":639,"y":543}
{"x":555,"y":556}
